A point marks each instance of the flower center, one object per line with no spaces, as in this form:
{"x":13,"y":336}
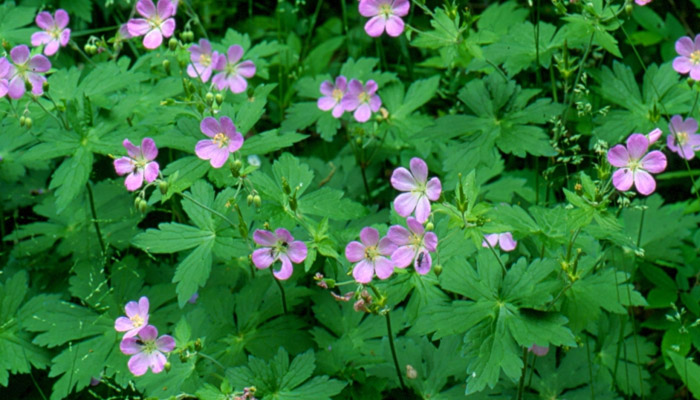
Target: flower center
{"x":416,"y":240}
{"x":156,"y":21}
{"x":371,"y":252}
{"x":385,"y":10}
{"x":634,"y":165}
{"x":220,"y":140}
{"x":55,"y":33}
{"x":363,"y":97}
{"x":695,"y":57}
{"x":149,"y":347}
{"x":681,"y":138}
{"x":136,"y":321}
{"x":231,"y":69}
{"x":205,"y":60}
{"x":280,"y":248}
{"x":337,"y":94}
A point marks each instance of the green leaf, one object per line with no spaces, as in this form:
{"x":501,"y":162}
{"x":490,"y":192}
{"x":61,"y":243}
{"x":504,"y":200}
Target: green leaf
{"x":172,"y":237}
{"x":70,"y":177}
{"x":419,"y":93}
{"x":183,"y":173}
{"x":298,"y":175}
{"x":251,"y":110}
{"x":193,"y":272}
{"x":329,"y":203}
{"x":688,"y":371}
{"x":269,"y":141}
{"x":12,"y":18}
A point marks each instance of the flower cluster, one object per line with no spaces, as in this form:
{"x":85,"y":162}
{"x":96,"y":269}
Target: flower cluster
{"x":401,"y":247}
{"x":353,"y":96}
{"x":232,"y":71}
{"x":157,"y":22}
{"x":278,"y":246}
{"x":384,"y":15}
{"x":141,"y":340}
{"x":21,"y":71}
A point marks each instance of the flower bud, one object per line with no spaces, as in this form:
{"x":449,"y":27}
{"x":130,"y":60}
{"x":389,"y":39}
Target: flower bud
{"x":200,"y":108}
{"x":257,"y":201}
{"x":6,"y":45}
{"x":166,"y":66}
{"x":45,"y":86}
{"x":249,"y":199}
{"x":22,"y":120}
{"x":187,"y":36}
{"x":293,"y":203}
{"x":137,"y":201}
{"x":285,"y":186}
{"x":429,"y":226}
{"x":28,"y":123}
{"x":172,"y":44}
{"x":198,"y":344}
{"x":183,"y":358}
{"x":219,"y":99}
{"x":438,"y":269}
{"x":87,"y":48}
{"x":163,"y":186}
{"x":167,"y":366}
{"x":143,"y":206}
{"x":236,"y":168}
{"x":209,"y":98}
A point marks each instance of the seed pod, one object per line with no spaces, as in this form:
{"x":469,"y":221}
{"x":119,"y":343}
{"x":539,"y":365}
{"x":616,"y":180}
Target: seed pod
{"x":209,"y":98}
{"x":188,"y":36}
{"x":172,"y":44}
{"x":22,"y":120}
{"x":429,"y":226}
{"x":143,"y":206}
{"x":163,"y":186}
{"x":28,"y":123}
{"x":249,"y":199}
{"x":438,"y":269}
{"x":87,"y":48}
{"x":167,"y":366}
{"x":285,"y":186}
{"x":219,"y":99}
{"x":257,"y":201}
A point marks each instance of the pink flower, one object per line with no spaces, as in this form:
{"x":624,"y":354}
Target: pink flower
{"x":414,"y":246}
{"x":642,"y":2}
{"x":155,"y":24}
{"x":136,"y":318}
{"x":654,"y":135}
{"x":362,"y":99}
{"x":54,"y":32}
{"x":203,"y":60}
{"x":635,"y":164}
{"x":224,"y":140}
{"x":233,"y":73}
{"x":384,"y":15}
{"x":278,"y":246}
{"x":370,"y":256}
{"x":420,"y":191}
{"x":25,"y":70}
{"x":5,"y":69}
{"x":540,"y":351}
{"x":333,"y":94}
{"x":147,"y":350}
{"x":683,"y":139}
{"x":689,"y":57}
{"x":504,"y":240}
{"x":139,"y":164}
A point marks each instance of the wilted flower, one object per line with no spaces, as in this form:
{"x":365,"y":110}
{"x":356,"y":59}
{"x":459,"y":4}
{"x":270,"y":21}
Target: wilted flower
{"x":233,"y":73}
{"x":385,"y":14}
{"x":26,"y":70}
{"x":635,"y":164}
{"x":147,"y":350}
{"x":414,"y":246}
{"x":157,"y":22}
{"x":54,"y":32}
{"x":139,"y":164}
{"x":332,"y":96}
{"x":504,"y":240}
{"x":362,"y":99}
{"x":688,"y":60}
{"x":371,"y":256}
{"x":136,"y":318}
{"x":203,"y":60}
{"x":224,"y":140}
{"x":683,"y":139}
{"x":278,"y":246}
{"x":420,"y":191}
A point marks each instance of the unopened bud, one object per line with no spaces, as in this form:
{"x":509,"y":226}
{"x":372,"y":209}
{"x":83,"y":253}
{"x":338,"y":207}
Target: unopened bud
{"x":257,"y":201}
{"x":6,"y":45}
{"x":163,"y":186}
{"x":172,"y":44}
{"x":183,"y":358}
{"x":22,"y":120}
{"x":143,"y":206}
{"x":237,"y":165}
{"x":249,"y":199}
{"x":200,"y":108}
{"x":166,"y":66}
{"x":219,"y":98}
{"x":285,"y":186}
{"x":87,"y":48}
{"x":28,"y":123}
{"x":187,"y":36}
{"x":209,"y":98}
{"x":438,"y":269}
{"x":198,"y":344}
{"x":167,"y":366}
{"x":293,"y":203}
{"x":429,"y":226}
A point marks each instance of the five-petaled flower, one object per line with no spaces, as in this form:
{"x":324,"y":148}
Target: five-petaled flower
{"x":332,"y":96}
{"x":420,"y":191}
{"x":683,"y":139}
{"x":26,"y":70}
{"x":54,"y":32}
{"x":157,"y":22}
{"x":224,"y":140}
{"x":688,"y":60}
{"x":147,"y":350}
{"x":203,"y":60}
{"x":635,"y":165}
{"x":139,"y":164}
{"x":385,"y":14}
{"x":370,"y":256}
{"x":233,"y":73}
{"x":136,"y":318}
{"x":278,"y":246}
{"x":361,"y":99}
{"x":414,"y":245}
{"x":504,"y":240}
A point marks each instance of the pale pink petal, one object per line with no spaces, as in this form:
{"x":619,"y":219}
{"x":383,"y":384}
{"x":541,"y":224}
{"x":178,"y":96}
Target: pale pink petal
{"x":354,"y":251}
{"x":399,"y":235}
{"x":3,"y":87}
{"x":218,"y":157}
{"x":44,"y":20}
{"x":394,"y":26}
{"x":168,"y":27}
{"x":237,"y":83}
{"x":350,"y":102}
{"x":637,"y":145}
{"x":369,"y":236}
{"x":695,"y":72}
{"x":383,"y":267}
{"x":370,"y":8}
{"x":62,"y":18}
{"x":16,"y":87}
{"x":326,"y":88}
{"x":165,"y":343}
{"x":246,"y":69}
{"x":20,"y":54}
{"x":423,"y":262}
{"x":654,"y":162}
{"x":40,"y":38}
{"x":210,"y":126}
{"x":433,"y":189}
{"x":286,"y":269}
{"x":264,"y":238}
{"x":618,"y":156}
{"x":685,"y":46}
{"x":422,"y":209}
{"x":134,"y":180}
{"x":143,"y":306}
{"x":124,"y":165}
{"x":234,"y":54}
{"x":40,"y":63}
{"x":65,"y":37}
{"x":654,"y":135}
{"x":401,"y":7}
{"x":133,"y":151}
{"x":644,"y":182}
{"x":123,"y":324}
{"x":138,"y":364}
{"x":283,"y":235}
{"x":326,"y":103}
{"x":149,"y":149}
{"x":146,"y":8}
{"x":297,"y":251}
{"x":51,"y":48}
{"x":138,"y":27}
{"x":402,"y":180}
{"x":235,"y":142}
{"x":405,"y":203}
{"x":130,"y":346}
{"x":371,"y":87}
{"x":363,"y":271}
{"x":362,"y":113}
{"x":542,"y":351}
{"x":151,"y":171}
{"x":403,"y":256}
{"x":386,"y":246}
{"x":375,"y":26}
{"x":153,"y":39}
{"x":689,"y":126}
{"x":682,"y":64}
{"x":338,"y":111}
{"x":148,"y":333}
{"x":165,"y":8}
{"x":132,"y":309}
{"x":341,"y":83}
{"x":430,"y":241}
{"x":375,"y":103}
{"x":419,"y":169}
{"x":156,"y":361}
{"x":676,"y":124}
{"x":623,"y":179}
{"x":227,"y":126}
{"x":491,"y":239}
{"x":415,"y":226}
{"x":262,"y":258}
{"x":37,"y":82}
{"x":505,"y":240}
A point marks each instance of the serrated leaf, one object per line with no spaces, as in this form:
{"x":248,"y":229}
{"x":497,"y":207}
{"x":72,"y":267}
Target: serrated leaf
{"x":270,"y":141}
{"x":172,"y":237}
{"x":70,"y":177}
{"x":193,"y":272}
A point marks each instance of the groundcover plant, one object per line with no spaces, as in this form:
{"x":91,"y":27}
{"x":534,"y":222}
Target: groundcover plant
{"x":343,"y":199}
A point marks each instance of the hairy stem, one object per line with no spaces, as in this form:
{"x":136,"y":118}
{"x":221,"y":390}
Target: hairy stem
{"x":393,"y":350}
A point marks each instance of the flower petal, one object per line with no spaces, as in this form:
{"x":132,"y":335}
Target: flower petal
{"x":149,"y":149}
{"x":146,"y":8}
{"x":430,"y":241}
{"x":16,"y":87}
{"x":20,"y":54}
{"x":40,"y":38}
{"x":326,"y":88}
{"x":415,"y":226}
{"x":151,"y":171}
{"x":363,"y":271}
{"x":386,"y":246}
{"x":153,"y":39}
{"x":165,"y":9}
{"x":297,"y":251}
{"x":403,"y":256}
{"x":283,"y":235}
{"x":130,"y":346}
{"x":286,"y":270}
{"x":637,"y":145}
{"x":369,"y":8}
{"x":394,"y":26}
{"x":685,"y":46}
{"x":423,"y":262}
{"x":354,"y":251}
{"x":400,"y":7}
{"x":623,"y":179}
{"x":124,"y":165}
{"x":123,"y":324}
{"x":405,"y":203}
{"x":138,"y":364}
{"x":505,"y":240}
{"x":419,"y":169}
{"x":369,"y":236}
{"x":491,"y":239}
{"x":168,"y":27}
{"x":325,"y":103}
{"x":375,"y":26}
{"x":165,"y":343}
{"x":237,"y":83}
{"x":399,"y":235}
{"x":44,"y":20}
{"x":51,"y":48}
{"x":433,"y":189}
{"x":682,"y":64}
{"x":134,"y":180}
{"x":246,"y":69}
{"x":234,"y":54}
{"x":654,"y":162}
{"x":132,"y":150}
{"x":143,"y":306}
{"x":156,"y":361}
{"x":402,"y":180}
{"x":618,"y":156}
{"x":264,"y":238}
{"x":62,"y":19}
{"x":138,"y":27}
{"x":422,"y":209}
{"x":362,"y":113}
{"x":383,"y":267}
{"x":262,"y":258}
{"x":148,"y":333}
{"x":644,"y":182}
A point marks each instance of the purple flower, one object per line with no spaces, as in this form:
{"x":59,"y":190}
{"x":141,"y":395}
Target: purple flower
{"x":370,"y":256}
{"x":203,"y":60}
{"x":25,"y":70}
{"x":414,"y":246}
{"x":639,"y":3}
{"x":683,"y":139}
{"x":155,"y":24}
{"x":136,"y":318}
{"x":504,"y":240}
{"x":362,"y":99}
{"x":278,"y":246}
{"x":539,"y":351}
{"x":384,"y":15}
{"x":139,"y":164}
{"x":224,"y":140}
{"x":332,"y":96}
{"x":654,"y":135}
{"x":147,"y":350}
{"x":635,"y":164}
{"x":54,"y":32}
{"x":233,"y":73}
{"x":688,"y":59}
{"x":419,"y":193}
{"x":5,"y":69}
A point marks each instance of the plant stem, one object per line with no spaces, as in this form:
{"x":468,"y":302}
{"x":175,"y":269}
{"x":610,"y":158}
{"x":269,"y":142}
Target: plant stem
{"x":496,"y":255}
{"x":211,"y":210}
{"x":521,"y":385}
{"x":212,"y":359}
{"x":279,"y":284}
{"x":393,"y":350}
{"x":91,"y":198}
{"x":314,"y":17}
